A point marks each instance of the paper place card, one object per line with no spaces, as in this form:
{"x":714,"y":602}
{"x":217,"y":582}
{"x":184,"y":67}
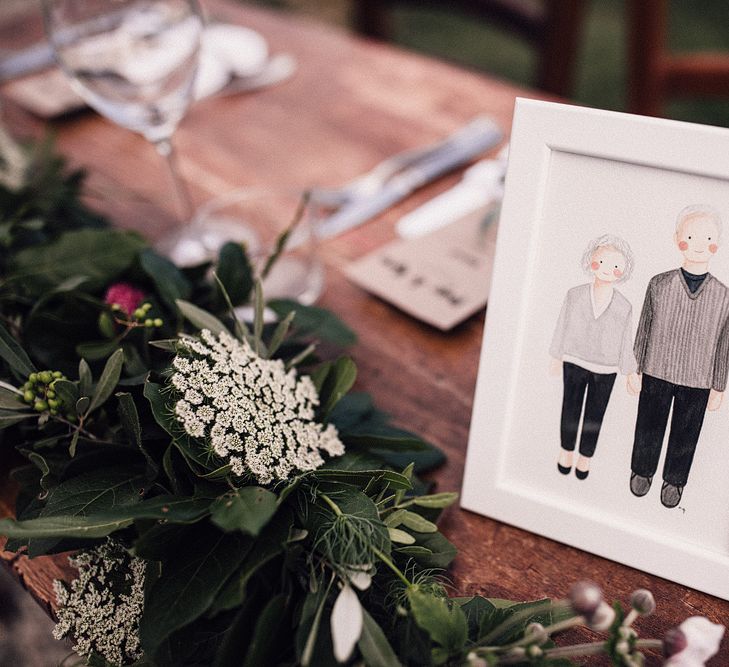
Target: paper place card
{"x":441,"y":278}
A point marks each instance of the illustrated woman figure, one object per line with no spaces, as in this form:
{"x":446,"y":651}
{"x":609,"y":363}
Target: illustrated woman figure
{"x":592,"y":343}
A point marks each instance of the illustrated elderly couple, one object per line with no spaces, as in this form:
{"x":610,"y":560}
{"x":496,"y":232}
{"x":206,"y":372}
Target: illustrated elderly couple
{"x":680,"y":354}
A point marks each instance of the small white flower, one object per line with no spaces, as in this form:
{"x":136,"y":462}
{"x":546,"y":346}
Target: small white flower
{"x":346,"y":622}
{"x":701,"y":641}
{"x":103,"y":618}
{"x":240,"y":403}
{"x":603,"y":617}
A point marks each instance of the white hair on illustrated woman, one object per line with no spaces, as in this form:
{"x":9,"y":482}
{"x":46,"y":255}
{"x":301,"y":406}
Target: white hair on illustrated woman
{"x":609,"y":241}
{"x":698,"y":211}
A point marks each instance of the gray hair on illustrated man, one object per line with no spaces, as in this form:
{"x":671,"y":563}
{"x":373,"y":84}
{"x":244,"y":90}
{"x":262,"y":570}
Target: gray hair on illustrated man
{"x":609,"y":240}
{"x":698,"y":210}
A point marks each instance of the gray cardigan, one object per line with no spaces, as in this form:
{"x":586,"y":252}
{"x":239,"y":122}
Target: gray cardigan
{"x":682,"y":337}
{"x":605,"y":340}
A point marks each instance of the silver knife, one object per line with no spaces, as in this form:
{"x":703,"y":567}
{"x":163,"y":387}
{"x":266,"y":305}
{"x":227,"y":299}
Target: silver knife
{"x":29,"y":60}
{"x":396,"y":189}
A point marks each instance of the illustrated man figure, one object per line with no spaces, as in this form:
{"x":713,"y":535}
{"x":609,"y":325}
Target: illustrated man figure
{"x":681,"y":348}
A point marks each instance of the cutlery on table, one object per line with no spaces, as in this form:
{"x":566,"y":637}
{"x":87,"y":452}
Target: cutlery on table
{"x":400,"y":175}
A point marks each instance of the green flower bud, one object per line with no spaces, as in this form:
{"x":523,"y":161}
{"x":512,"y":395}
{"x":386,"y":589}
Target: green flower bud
{"x":53,"y":403}
{"x":148,"y":323}
{"x":27,"y":386}
{"x":33,"y":378}
{"x":28,"y":396}
{"x":54,"y":411}
{"x":45,"y":376}
{"x":40,"y":405}
{"x":50,"y":394}
{"x":146,"y":307}
{"x":58,"y":375}
{"x":71,"y":417}
{"x":158,"y":322}
{"x":139,"y":314}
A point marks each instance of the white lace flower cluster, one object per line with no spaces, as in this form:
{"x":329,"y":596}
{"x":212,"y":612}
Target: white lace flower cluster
{"x":249,"y":410}
{"x":102,"y":607}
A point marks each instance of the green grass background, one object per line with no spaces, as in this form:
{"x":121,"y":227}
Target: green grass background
{"x":601,"y":67}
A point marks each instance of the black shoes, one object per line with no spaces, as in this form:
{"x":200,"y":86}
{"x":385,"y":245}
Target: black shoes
{"x":671,"y":495}
{"x":565,"y":470}
{"x":640,"y":485}
{"x":581,"y":474}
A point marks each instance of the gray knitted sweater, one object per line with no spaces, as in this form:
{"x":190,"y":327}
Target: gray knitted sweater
{"x":682,"y":337}
{"x":604,"y":340}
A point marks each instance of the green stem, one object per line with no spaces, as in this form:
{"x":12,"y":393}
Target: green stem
{"x":649,"y":644}
{"x":334,"y":507}
{"x":385,"y":559}
{"x":549,"y":630}
{"x":514,"y":619}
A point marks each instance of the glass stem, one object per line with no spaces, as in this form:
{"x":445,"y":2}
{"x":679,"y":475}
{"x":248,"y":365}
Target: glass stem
{"x":165,"y":148}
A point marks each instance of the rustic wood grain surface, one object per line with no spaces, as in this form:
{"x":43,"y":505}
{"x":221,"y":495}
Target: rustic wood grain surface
{"x":351,"y":103}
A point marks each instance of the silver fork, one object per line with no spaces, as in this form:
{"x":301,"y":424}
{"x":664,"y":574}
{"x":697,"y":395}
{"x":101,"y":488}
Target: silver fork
{"x":372,"y":181}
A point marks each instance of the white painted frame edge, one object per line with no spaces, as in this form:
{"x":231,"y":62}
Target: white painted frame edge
{"x":540,"y":128}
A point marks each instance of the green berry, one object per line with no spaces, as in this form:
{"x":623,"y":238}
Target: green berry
{"x":115,"y":307}
{"x":40,"y":406}
{"x":54,"y":411}
{"x":158,"y":322}
{"x":45,"y":376}
{"x":146,"y":307}
{"x":71,"y":417}
{"x":52,"y":403}
{"x":50,"y":394}
{"x":139,"y":314}
{"x":58,"y":375}
{"x":33,"y":378}
{"x":28,"y":396}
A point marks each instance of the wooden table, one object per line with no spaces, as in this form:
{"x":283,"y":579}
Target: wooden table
{"x":352,"y":103}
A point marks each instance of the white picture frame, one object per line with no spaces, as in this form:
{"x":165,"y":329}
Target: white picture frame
{"x":574,"y":174}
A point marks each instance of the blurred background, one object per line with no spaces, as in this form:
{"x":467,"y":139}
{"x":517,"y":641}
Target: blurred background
{"x":601,"y":53}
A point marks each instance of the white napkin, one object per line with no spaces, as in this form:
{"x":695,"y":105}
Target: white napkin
{"x":227,"y":51}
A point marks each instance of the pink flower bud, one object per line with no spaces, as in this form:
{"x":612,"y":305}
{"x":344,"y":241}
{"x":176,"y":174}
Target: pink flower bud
{"x":585,"y":597}
{"x":602,"y":618}
{"x":674,"y":642}
{"x":126,"y":296}
{"x":643,"y":602}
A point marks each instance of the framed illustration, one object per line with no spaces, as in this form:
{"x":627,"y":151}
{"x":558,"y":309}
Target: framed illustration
{"x":600,"y":417}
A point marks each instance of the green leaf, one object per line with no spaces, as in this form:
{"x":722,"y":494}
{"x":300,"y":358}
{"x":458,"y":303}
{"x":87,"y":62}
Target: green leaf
{"x":417,"y":523}
{"x":248,"y":510}
{"x":189,"y":583}
{"x":168,"y":344}
{"x":129,"y":418}
{"x":394,"y":479}
{"x":97,"y":350}
{"x":57,"y":527}
{"x":442,"y":552}
{"x":171,"y":509}
{"x":235,"y":273}
{"x":436,"y":500}
{"x":67,"y":393}
{"x":266,"y":641}
{"x":400,"y":536}
{"x":444,"y":622}
{"x":108,"y":380}
{"x":268,"y":546}
{"x":373,"y":644}
{"x":86,"y":380}
{"x":12,"y":417}
{"x":168,"y":280}
{"x":99,"y":255}
{"x":82,"y":405}
{"x":11,"y":400}
{"x":15,"y":356}
{"x":313,"y":322}
{"x":279,"y":333}
{"x":200,"y":318}
{"x":334,"y":382}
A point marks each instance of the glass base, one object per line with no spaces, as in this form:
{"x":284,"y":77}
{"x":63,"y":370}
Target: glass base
{"x":197,"y":243}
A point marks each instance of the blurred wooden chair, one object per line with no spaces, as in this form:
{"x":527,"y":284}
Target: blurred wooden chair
{"x":552,"y":27}
{"x":655,"y":74}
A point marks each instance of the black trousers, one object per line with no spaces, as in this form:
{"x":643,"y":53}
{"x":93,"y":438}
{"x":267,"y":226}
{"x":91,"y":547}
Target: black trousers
{"x":689,"y":407}
{"x":577,"y":380}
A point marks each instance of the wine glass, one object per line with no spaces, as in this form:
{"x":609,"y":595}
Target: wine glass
{"x":135,"y":61}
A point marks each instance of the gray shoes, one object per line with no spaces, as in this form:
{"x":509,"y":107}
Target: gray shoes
{"x":670,"y":493}
{"x":640,"y":485}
